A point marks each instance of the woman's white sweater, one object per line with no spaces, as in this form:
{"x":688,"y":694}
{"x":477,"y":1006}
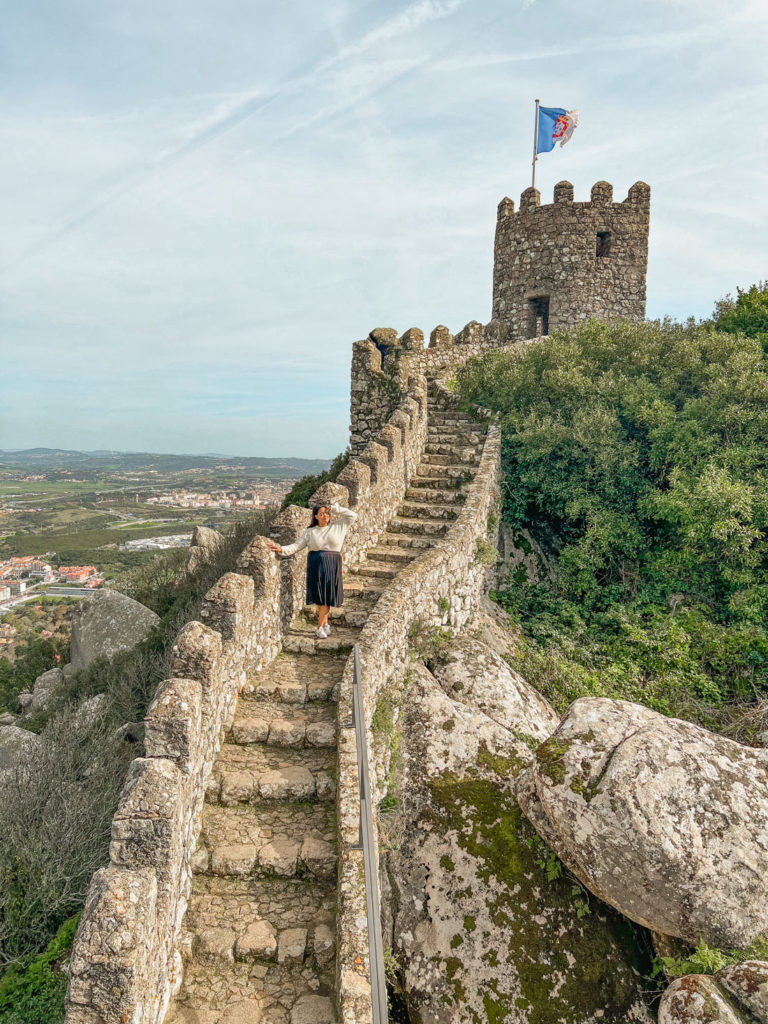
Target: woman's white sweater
{"x":324,"y":538}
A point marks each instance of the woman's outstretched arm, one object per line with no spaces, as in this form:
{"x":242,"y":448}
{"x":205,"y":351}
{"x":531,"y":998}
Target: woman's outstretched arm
{"x":291,"y":549}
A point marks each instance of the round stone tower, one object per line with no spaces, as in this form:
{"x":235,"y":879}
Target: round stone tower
{"x":556,"y":265}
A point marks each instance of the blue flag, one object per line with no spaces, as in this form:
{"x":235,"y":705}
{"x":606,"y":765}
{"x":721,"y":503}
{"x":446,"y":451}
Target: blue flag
{"x":555,"y":125}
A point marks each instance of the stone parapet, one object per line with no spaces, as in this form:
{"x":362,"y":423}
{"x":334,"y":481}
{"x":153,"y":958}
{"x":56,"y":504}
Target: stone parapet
{"x":125,"y":963}
{"x":442,"y":587}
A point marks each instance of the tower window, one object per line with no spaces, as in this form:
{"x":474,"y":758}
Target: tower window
{"x":538,"y":316}
{"x":603,"y":243}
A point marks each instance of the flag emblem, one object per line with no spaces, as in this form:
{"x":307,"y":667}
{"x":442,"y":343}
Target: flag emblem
{"x":555,"y":125}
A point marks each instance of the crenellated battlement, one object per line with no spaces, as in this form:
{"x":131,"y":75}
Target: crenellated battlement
{"x":558,"y":264}
{"x":383,"y":363}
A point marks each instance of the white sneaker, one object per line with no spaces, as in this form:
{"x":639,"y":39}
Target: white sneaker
{"x":327,"y":628}
{"x":320,"y":633}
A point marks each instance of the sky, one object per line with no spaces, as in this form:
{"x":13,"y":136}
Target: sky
{"x":204,"y":204}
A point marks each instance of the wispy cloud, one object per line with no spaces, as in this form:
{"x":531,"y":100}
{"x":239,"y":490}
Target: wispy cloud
{"x":217,"y":211}
{"x":234,"y":111}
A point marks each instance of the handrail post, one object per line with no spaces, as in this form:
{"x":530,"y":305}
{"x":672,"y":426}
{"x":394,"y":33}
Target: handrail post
{"x":372,"y":899}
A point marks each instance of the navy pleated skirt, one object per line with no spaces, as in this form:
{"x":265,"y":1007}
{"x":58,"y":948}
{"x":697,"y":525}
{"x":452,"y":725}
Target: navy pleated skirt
{"x":324,"y":578}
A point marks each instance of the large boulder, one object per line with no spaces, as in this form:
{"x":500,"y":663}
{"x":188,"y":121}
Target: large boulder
{"x":660,"y":818}
{"x":479,"y":931}
{"x":696,"y":999}
{"x":472,"y":673}
{"x":204,"y":547}
{"x":747,"y":983}
{"x":107,"y":623}
{"x":735,"y":995}
{"x":15,"y":745}
{"x":45,"y":688}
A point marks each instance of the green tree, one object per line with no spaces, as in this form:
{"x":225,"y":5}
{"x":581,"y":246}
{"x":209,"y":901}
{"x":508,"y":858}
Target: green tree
{"x":747,"y":313}
{"x":304,"y":488}
{"x":637,"y":454}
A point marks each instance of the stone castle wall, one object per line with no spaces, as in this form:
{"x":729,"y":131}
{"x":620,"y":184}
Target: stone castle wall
{"x":440,"y":588}
{"x":584,"y":259}
{"x":125,"y":964}
{"x":383,"y":363}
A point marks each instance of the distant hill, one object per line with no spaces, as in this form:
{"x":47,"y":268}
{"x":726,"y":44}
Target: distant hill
{"x":41,"y":459}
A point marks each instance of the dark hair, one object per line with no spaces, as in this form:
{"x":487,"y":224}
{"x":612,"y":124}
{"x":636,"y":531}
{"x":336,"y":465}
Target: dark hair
{"x":315,"y":510}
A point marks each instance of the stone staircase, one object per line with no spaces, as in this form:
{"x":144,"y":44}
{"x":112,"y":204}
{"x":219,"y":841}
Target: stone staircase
{"x":259,"y":933}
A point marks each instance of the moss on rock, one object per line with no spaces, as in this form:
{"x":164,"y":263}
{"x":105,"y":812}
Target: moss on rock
{"x":568,"y":969}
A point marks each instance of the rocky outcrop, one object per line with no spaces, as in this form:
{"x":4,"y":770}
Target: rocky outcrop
{"x":696,"y":999}
{"x":522,"y":559}
{"x":747,"y":983}
{"x":735,"y":995}
{"x":473,"y":674}
{"x":107,"y":623}
{"x":45,"y":688}
{"x":660,"y":818}
{"x":479,"y":931}
{"x":15,"y":745}
{"x":204,"y":548}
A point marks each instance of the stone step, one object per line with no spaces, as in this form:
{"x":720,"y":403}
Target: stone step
{"x":354,"y":612}
{"x":301,"y":639}
{"x":279,"y":724}
{"x":457,"y":483}
{"x":455,"y":432}
{"x":213,"y":994}
{"x":414,"y":541}
{"x":290,"y":782}
{"x":295,"y":679}
{"x":369,"y":588}
{"x":443,"y":496}
{"x":456,"y":457}
{"x":388,"y":553}
{"x":377,"y":570}
{"x":260,"y":941}
{"x":255,"y":761}
{"x":437,"y":410}
{"x":432,"y":528}
{"x":276,"y":838}
{"x":458,"y":475}
{"x":240,"y":902}
{"x":462,"y":452}
{"x":428,"y":510}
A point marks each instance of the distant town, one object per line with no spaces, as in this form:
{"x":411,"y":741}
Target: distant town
{"x":258,"y":497}
{"x":71,"y":522}
{"x":28,"y":572}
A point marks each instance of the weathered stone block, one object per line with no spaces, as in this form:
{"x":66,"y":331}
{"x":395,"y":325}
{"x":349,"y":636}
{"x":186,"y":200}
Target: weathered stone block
{"x":197,"y":654}
{"x":113,"y":965}
{"x":146,"y":828}
{"x":227,"y":605}
{"x":172,"y":728}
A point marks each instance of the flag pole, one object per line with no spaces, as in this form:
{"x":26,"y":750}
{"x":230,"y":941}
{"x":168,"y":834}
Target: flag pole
{"x":535,"y":144}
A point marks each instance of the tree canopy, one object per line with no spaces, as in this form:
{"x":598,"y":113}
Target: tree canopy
{"x":747,"y":313}
{"x":638,"y":454}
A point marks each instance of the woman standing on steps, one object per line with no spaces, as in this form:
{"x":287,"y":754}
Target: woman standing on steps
{"x":324,"y":540}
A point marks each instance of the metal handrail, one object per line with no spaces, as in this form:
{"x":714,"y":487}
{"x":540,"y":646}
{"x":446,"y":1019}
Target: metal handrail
{"x":366,"y":843}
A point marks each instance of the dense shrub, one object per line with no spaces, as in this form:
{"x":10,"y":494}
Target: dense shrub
{"x":303,"y":489}
{"x":32,"y":658}
{"x":638,"y":454}
{"x":747,"y":313}
{"x":33,"y":992}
